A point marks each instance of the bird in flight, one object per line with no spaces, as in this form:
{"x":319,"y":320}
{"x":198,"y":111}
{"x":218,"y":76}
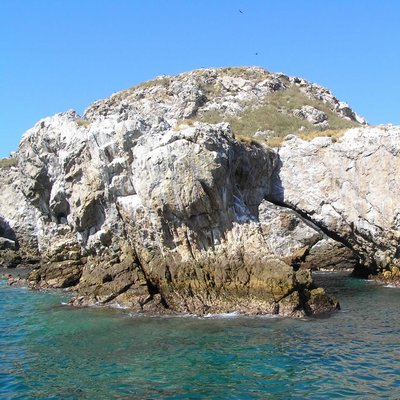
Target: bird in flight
{"x":241,"y":12}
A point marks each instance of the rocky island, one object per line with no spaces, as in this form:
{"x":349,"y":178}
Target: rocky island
{"x":212,"y":191}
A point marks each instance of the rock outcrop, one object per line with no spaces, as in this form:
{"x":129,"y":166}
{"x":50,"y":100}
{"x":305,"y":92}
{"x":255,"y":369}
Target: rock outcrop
{"x":348,"y":188}
{"x":148,"y":203}
{"x":174,"y":220}
{"x":18,"y":242}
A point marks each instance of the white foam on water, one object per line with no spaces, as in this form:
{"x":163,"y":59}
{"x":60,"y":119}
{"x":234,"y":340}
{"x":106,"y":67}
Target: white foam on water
{"x":118,"y":306}
{"x":233,"y":314}
{"x":392,"y":286}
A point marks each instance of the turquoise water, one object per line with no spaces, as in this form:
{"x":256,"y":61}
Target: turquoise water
{"x":50,"y":351}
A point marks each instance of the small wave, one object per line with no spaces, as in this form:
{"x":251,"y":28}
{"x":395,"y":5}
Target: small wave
{"x":233,"y":314}
{"x":391,"y":286}
{"x":119,"y":306}
{"x":230,"y":315}
{"x":186,"y":316}
{"x":270,"y":316}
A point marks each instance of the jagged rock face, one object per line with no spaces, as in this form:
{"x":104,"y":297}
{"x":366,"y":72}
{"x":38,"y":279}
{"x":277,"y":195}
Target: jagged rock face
{"x":139,"y":204}
{"x":18,"y":243}
{"x":17,"y":216}
{"x":171,"y":220}
{"x":230,"y":91}
{"x":349,"y":188}
{"x":312,"y":115}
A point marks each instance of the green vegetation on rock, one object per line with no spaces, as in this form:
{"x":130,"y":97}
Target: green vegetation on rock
{"x":261,"y":107}
{"x":274,"y":117}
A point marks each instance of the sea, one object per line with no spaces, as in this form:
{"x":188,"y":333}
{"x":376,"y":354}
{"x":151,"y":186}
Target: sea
{"x":50,"y":350}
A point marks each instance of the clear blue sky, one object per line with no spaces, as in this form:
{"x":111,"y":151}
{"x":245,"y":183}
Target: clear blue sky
{"x":63,"y":54}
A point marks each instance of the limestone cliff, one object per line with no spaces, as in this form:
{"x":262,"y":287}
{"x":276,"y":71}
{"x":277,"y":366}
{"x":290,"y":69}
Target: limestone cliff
{"x":348,"y":187}
{"x":167,"y":198}
{"x":18,"y":240}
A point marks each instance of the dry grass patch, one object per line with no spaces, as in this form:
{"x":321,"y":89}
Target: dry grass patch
{"x":6,"y":163}
{"x":275,"y":141}
{"x":84,"y":123}
{"x":246,"y":72}
{"x":163,"y":81}
{"x":275,"y":115}
{"x":250,"y":141}
{"x":332,"y":133}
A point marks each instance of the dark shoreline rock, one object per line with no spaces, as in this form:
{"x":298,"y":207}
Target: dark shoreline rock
{"x":388,"y":277}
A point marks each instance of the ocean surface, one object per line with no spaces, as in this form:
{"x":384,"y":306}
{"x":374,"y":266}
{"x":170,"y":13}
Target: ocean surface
{"x":52,"y":351}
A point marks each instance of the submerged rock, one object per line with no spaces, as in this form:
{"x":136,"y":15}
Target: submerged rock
{"x":144,"y":204}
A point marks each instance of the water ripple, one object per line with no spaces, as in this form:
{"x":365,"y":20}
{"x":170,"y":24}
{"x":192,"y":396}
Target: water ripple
{"x":53,"y":352}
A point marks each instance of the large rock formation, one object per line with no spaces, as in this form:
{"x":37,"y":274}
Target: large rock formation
{"x":149,"y":201}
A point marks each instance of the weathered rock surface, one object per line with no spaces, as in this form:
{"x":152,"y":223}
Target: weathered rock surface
{"x":134,"y":204}
{"x":348,"y":188}
{"x":18,"y":243}
{"x":311,"y":114}
{"x":166,"y":221}
{"x":330,"y":255}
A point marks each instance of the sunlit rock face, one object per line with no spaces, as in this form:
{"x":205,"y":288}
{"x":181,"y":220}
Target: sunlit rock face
{"x":18,"y":241}
{"x":143,"y":203}
{"x":349,"y":188}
